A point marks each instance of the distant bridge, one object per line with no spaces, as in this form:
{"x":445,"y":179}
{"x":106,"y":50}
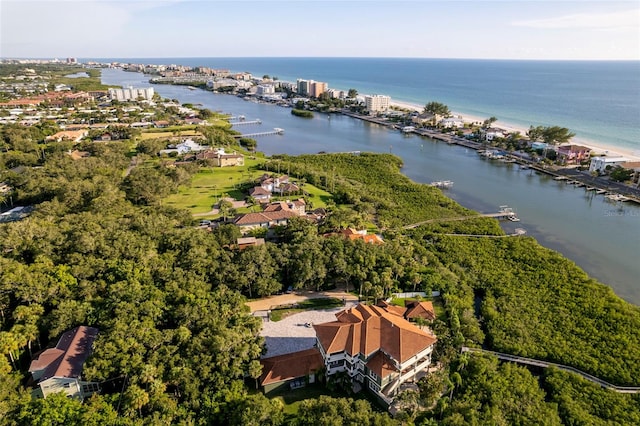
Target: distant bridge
{"x":544,"y":364}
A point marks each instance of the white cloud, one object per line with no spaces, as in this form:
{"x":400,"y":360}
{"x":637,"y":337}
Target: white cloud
{"x":629,"y":19}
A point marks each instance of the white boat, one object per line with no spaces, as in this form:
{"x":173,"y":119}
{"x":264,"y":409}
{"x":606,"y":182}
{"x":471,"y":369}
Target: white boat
{"x":442,"y":184}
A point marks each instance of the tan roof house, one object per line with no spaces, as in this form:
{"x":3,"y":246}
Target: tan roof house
{"x":270,"y":219}
{"x":68,"y":135}
{"x":59,"y":369}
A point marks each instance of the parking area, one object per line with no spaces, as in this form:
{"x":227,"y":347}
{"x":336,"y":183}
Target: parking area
{"x":295,"y":332}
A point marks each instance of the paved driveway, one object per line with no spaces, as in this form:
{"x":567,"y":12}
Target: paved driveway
{"x":291,"y":334}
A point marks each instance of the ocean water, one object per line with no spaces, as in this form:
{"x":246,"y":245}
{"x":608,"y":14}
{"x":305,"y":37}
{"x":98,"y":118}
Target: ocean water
{"x":597,"y":100}
{"x":600,"y":236}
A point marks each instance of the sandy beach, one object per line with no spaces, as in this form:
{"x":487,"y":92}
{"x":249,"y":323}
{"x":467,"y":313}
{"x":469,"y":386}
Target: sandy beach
{"x":598,"y":147}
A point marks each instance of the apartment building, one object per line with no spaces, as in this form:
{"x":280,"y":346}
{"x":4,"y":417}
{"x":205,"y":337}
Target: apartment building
{"x":377,"y":103}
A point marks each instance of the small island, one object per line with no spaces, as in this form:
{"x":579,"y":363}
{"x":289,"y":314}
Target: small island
{"x":302,"y":113}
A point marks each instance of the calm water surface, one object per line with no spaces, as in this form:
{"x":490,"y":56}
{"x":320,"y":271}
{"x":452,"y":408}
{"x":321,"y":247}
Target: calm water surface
{"x":601,"y":237}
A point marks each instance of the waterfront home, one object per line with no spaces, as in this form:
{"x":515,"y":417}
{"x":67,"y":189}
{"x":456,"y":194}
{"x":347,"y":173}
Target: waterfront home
{"x":492,"y":133}
{"x":573,"y":154}
{"x":451,"y":123}
{"x":539,"y":146}
{"x":634,"y":166}
{"x":59,"y":369}
{"x":600,"y":164}
{"x":377,"y":349}
{"x":425,"y":119}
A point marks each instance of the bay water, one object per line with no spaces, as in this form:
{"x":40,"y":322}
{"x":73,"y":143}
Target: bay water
{"x":603,"y":238}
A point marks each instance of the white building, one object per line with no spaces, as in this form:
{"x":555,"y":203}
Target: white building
{"x":600,"y":164}
{"x":377,"y":103}
{"x":59,"y":369}
{"x":131,"y":94}
{"x":265,"y":89}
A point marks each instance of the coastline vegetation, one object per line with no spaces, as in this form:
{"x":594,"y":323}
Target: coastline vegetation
{"x":105,"y":248}
{"x":302,"y":113}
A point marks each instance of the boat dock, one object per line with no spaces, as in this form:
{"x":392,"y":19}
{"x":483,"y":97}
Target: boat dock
{"x":244,"y":123}
{"x":505,"y":213}
{"x":275,"y":131}
{"x":590,"y":183}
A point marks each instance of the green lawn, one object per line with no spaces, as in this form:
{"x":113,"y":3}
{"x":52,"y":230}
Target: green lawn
{"x":318,"y":197}
{"x":210,"y":183}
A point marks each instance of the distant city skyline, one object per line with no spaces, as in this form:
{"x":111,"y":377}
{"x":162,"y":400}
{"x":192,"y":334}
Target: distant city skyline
{"x":515,"y":29}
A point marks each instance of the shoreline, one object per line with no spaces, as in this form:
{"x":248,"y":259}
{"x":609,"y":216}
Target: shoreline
{"x":598,"y":148}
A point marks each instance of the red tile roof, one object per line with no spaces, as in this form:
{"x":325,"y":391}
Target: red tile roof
{"x":266,"y":217}
{"x":290,"y":366}
{"x":420,"y":310}
{"x":69,"y":355}
{"x":366,"y":329}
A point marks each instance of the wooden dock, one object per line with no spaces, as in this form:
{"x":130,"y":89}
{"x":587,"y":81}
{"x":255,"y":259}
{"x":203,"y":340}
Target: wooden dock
{"x":245,"y":123}
{"x":275,"y":131}
{"x":503,"y":214}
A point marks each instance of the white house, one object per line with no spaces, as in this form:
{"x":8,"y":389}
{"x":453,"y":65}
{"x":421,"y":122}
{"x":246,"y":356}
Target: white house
{"x":59,"y":369}
{"x":600,"y":164}
{"x":452,"y":123}
{"x":187,"y":145}
{"x":493,"y":132}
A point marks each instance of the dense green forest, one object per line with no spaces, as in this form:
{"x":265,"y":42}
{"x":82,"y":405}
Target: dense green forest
{"x":101,"y":249}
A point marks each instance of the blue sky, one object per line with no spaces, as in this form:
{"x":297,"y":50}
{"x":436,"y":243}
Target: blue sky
{"x":512,"y":29}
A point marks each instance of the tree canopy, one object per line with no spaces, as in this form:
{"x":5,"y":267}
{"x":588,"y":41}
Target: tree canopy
{"x":437,"y":108}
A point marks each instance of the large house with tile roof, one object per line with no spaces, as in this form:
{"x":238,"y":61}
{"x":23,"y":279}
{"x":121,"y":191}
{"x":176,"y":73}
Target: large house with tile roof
{"x":378,"y":349}
{"x":59,"y":369}
{"x":274,"y":214}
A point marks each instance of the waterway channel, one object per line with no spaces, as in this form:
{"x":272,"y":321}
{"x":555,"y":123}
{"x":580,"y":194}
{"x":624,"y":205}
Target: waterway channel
{"x":602,"y":237}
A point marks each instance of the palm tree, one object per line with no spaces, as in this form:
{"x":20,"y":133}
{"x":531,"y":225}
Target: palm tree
{"x":9,"y":344}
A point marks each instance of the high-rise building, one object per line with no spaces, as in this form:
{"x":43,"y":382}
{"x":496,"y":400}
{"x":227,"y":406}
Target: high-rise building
{"x":317,"y":88}
{"x":303,"y":87}
{"x":377,"y":103}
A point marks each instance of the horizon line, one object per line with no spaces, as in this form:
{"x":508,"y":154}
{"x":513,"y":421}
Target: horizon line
{"x":323,"y":57}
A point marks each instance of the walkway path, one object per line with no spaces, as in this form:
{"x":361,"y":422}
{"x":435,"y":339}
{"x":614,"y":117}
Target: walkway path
{"x":498,"y":215}
{"x":544,"y":364}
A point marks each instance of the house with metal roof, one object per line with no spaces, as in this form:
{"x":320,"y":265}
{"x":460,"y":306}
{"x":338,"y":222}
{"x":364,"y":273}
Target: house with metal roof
{"x":59,"y":369}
